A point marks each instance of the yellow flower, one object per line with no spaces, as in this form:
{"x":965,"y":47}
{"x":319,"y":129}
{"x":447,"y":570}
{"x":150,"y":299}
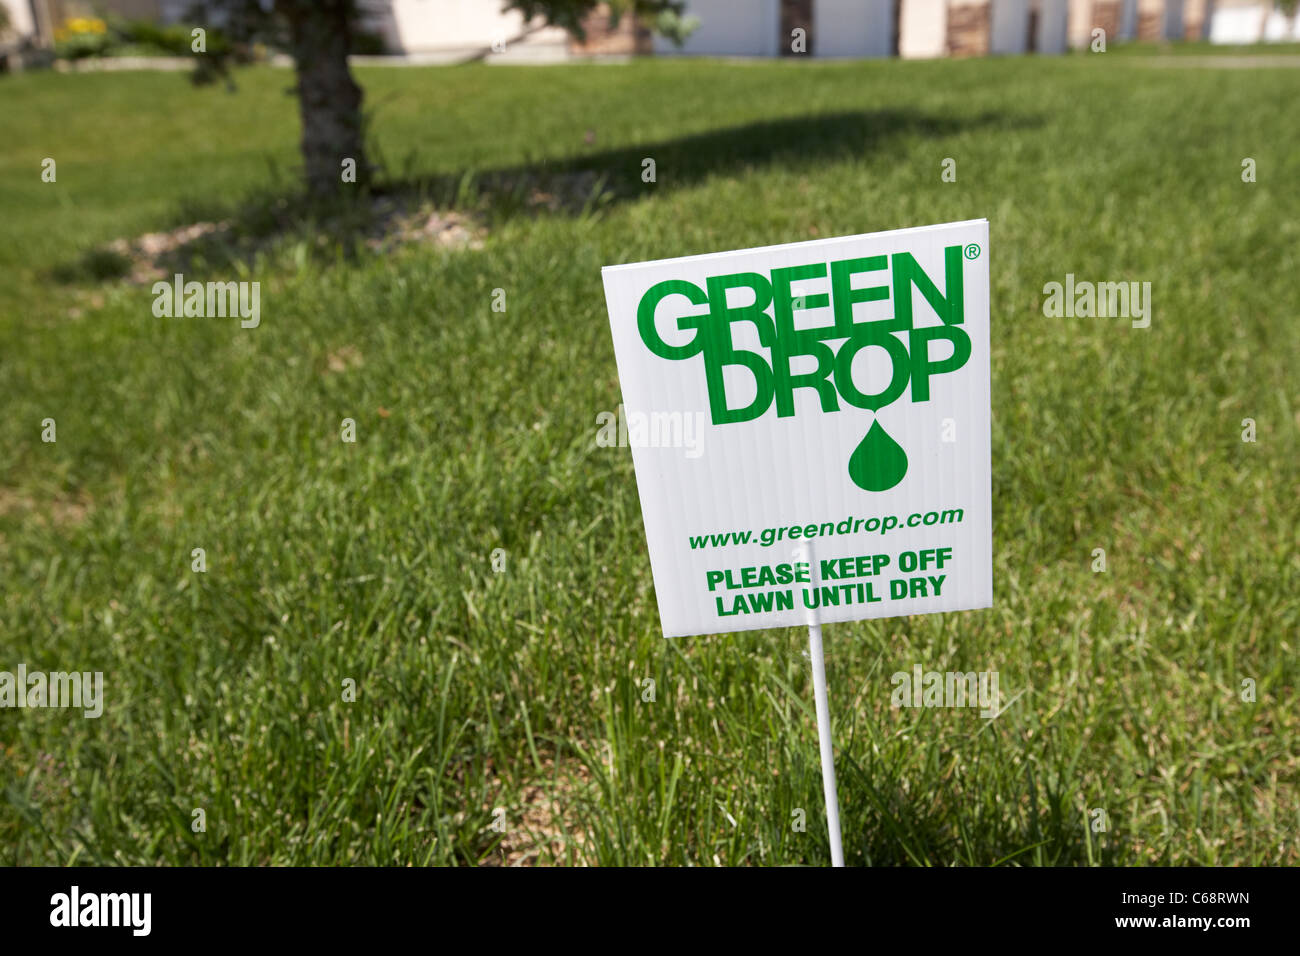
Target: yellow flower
{"x":84,"y":25}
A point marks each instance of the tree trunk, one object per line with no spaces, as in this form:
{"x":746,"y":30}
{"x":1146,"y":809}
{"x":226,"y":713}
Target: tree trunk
{"x":329,"y":100}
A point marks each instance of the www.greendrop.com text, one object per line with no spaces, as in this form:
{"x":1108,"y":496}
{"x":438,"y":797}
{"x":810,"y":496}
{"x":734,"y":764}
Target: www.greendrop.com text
{"x":850,"y":525}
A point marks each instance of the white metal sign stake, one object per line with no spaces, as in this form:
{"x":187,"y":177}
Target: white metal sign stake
{"x":824,"y":739}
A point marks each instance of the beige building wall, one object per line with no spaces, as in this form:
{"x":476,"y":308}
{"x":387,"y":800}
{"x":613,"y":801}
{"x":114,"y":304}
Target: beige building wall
{"x":923,"y":29}
{"x":1119,"y":18}
{"x":1160,"y":20}
{"x":969,"y":28}
{"x":21,"y":22}
{"x":1196,"y":19}
{"x":456,"y":27}
{"x":1238,"y":21}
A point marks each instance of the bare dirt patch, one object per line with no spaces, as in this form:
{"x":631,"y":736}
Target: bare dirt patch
{"x":382,"y":225}
{"x":542,"y":827}
{"x":57,"y":513}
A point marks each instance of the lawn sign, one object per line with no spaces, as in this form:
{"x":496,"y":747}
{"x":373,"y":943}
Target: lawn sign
{"x":841,"y":466}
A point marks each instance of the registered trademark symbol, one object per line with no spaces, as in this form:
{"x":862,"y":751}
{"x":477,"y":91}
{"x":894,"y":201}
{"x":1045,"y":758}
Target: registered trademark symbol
{"x":972,"y":251}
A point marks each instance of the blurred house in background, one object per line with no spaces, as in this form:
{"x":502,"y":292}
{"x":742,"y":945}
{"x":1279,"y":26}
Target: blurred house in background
{"x":420,"y":30}
{"x":959,"y":28}
{"x":1250,"y":21}
{"x":831,"y":28}
{"x":1196,"y":22}
{"x":448,"y":30}
{"x":38,"y":19}
{"x":1159,"y":20}
{"x":1118,"y":18}
{"x":1048,"y":26}
{"x":437,"y":31}
{"x":872,"y":28}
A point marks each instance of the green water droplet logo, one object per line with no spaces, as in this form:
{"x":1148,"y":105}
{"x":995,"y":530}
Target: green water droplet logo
{"x":879,"y":462}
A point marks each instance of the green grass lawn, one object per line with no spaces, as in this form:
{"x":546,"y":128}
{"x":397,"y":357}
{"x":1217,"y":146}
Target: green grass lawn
{"x":330,"y":561}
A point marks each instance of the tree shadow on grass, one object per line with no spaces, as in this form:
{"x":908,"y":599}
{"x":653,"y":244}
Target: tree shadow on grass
{"x":574,"y":183}
{"x":455,"y":208}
